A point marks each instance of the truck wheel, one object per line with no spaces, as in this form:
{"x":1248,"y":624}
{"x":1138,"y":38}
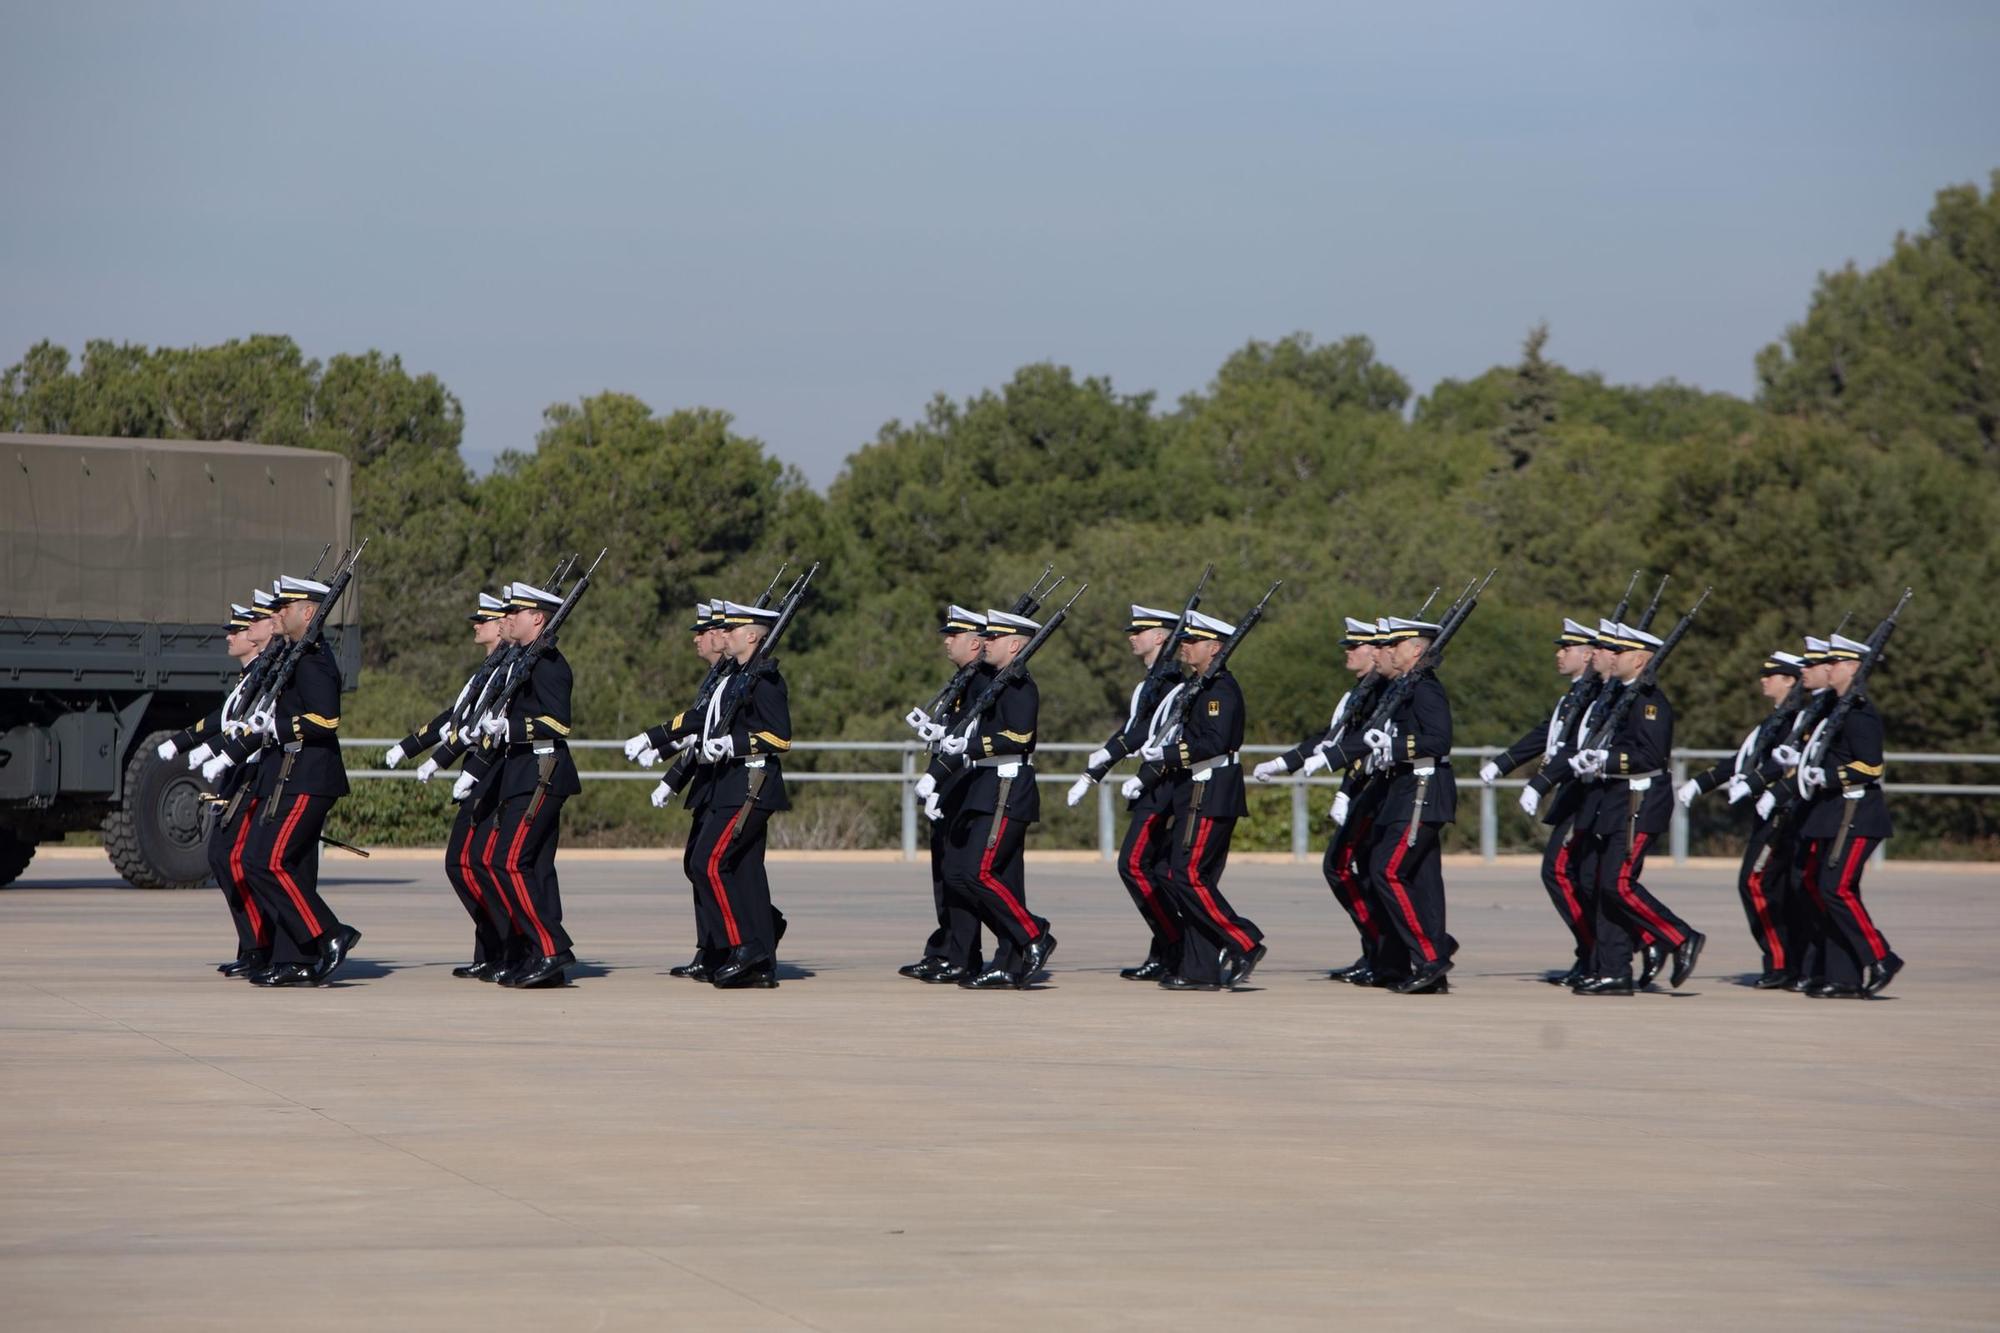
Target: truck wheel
{"x":154,"y":837}
{"x":15,"y":853}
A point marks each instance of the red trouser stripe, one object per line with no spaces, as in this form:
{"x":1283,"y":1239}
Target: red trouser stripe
{"x":1354,"y":901}
{"x":521,"y":886}
{"x":1856,"y":856}
{"x":715,"y":879}
{"x":1560,"y":869}
{"x":1632,"y":899}
{"x":1235,"y":932}
{"x":1389,"y":872}
{"x":284,"y":876}
{"x":465,"y":868}
{"x":1814,"y":848}
{"x":999,"y":889}
{"x":1136,"y":870}
{"x":499,"y":885}
{"x":1772,"y":944}
{"x":239,"y":888}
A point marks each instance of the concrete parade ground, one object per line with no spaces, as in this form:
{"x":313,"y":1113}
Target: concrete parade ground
{"x":855,"y":1151}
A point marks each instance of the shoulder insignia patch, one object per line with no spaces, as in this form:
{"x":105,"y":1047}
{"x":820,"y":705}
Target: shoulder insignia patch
{"x":1652,"y":712}
{"x":1215,"y":708}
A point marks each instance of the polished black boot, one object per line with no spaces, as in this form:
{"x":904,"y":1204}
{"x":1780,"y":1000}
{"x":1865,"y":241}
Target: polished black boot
{"x":1687,"y":956}
{"x":1652,"y":958}
{"x":697,"y":968}
{"x":1237,"y":967}
{"x":282,"y":974}
{"x":256,"y":960}
{"x":1881,"y":974}
{"x":1152,"y":969}
{"x":1348,"y":973}
{"x":541,"y":973}
{"x":742,"y":960}
{"x":1036,"y":956}
{"x":333,"y":951}
{"x":917,"y":971}
{"x":1175,"y":981}
{"x":993,"y":978}
{"x":1774,"y":980}
{"x":948,"y":974}
{"x":1425,"y":980}
{"x":1612,"y":985}
{"x":476,"y":971}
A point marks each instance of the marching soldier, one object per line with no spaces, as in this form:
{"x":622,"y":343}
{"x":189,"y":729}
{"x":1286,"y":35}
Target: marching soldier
{"x":1627,"y":810}
{"x":295,"y":784}
{"x":997,"y":802}
{"x":745,"y":731}
{"x":523,"y":792}
{"x":1549,"y":738}
{"x":689,"y":774}
{"x":1411,"y":757}
{"x":1145,"y":855}
{"x":953,"y":952}
{"x":1762,"y":878}
{"x":1344,"y":874}
{"x":1203,"y":779}
{"x":467,"y":852}
{"x":248,"y":634}
{"x":1845,"y":819}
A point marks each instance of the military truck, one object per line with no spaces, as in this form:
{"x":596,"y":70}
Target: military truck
{"x":118,"y":561}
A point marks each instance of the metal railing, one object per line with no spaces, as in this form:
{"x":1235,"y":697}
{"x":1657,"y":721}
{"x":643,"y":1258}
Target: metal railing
{"x":912,"y":756}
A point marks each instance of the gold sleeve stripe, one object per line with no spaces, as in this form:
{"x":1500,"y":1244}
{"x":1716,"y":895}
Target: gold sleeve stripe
{"x":775,"y":742}
{"x":675,"y":725}
{"x":1871,"y":770}
{"x":330,"y":723}
{"x":553,"y":725}
{"x":1018,"y":737}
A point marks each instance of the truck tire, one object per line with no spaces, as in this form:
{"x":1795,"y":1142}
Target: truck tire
{"x":15,"y":853}
{"x":154,"y":837}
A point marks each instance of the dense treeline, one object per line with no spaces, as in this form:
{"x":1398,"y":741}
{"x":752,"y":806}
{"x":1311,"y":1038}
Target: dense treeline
{"x":1870,"y":460}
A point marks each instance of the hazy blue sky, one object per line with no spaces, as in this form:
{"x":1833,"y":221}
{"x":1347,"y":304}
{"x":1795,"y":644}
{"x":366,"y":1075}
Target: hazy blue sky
{"x":818,"y":215}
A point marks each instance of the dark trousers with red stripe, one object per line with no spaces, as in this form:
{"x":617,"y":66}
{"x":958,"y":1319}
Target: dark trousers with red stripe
{"x":1194,"y":880}
{"x":956,"y":939}
{"x":525,"y":864}
{"x":710,"y":948}
{"x":1570,"y":891}
{"x":733,"y":895}
{"x":1850,"y":939}
{"x":1764,"y":883}
{"x":228,"y":848}
{"x":1144,"y":864}
{"x":1347,"y":875}
{"x":281,"y":861}
{"x":1406,"y":883}
{"x":1627,"y":912}
{"x":465,"y":867}
{"x":989,"y":882}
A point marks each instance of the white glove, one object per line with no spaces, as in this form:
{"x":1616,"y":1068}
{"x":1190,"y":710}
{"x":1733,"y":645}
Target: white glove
{"x":1338,"y":810}
{"x":932,"y":810}
{"x":1489,"y":772}
{"x":648,"y":757}
{"x":954,"y":745}
{"x":200,"y":755}
{"x":1080,"y":789}
{"x":1739,"y":787}
{"x":168,"y":749}
{"x":1766,"y":804}
{"x":1132,"y":789}
{"x":926,"y":787}
{"x":265,"y":723}
{"x":494,"y":726}
{"x":684,"y":742}
{"x":394,"y":757}
{"x":638,"y":745}
{"x":1098,"y":758}
{"x":1786,"y":755}
{"x":663,"y":792}
{"x":1531,"y":800}
{"x":1590,"y":763}
{"x":918,"y":720}
{"x":1315,"y":762}
{"x":1269,"y":771}
{"x":463,"y":787}
{"x":1813,"y":777}
{"x":930,"y":733}
{"x":427,"y":770}
{"x":718,"y":748}
{"x":1686,"y":792}
{"x":1152,"y":753}
{"x":215,"y":767}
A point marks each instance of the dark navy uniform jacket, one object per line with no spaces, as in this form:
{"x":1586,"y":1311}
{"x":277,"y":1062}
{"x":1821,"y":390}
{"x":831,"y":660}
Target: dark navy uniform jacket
{"x":308,"y":711}
{"x":1006,"y":733}
{"x":539,"y":716}
{"x":1643,"y":744}
{"x":1853,"y":764}
{"x":762,"y":731}
{"x":1129,"y":739}
{"x":1423,"y":740}
{"x":1214,"y":730}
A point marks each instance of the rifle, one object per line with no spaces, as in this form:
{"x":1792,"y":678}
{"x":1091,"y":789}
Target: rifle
{"x":1454,"y":618}
{"x":1653,"y":607}
{"x":320,"y":561}
{"x":1607,"y":727}
{"x":1025,"y":605}
{"x":1184,"y":705}
{"x":1814,"y":753}
{"x":1583,"y":691}
{"x":1006,"y":675}
{"x":1167,"y":664}
{"x":281,"y":676}
{"x":732,"y":704}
